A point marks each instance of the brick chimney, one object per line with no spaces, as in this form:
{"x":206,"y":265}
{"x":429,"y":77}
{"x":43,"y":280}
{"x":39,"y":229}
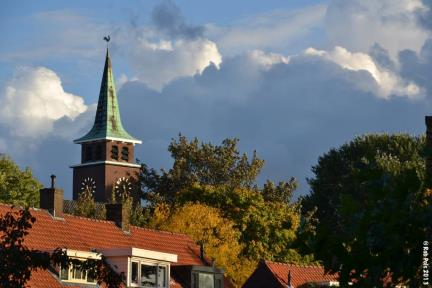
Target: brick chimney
{"x":51,"y":199}
{"x":119,"y":213}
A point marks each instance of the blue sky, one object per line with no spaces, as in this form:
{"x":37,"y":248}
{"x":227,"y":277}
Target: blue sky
{"x":291,"y":79}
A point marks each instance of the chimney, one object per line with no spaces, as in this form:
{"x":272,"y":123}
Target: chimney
{"x":119,"y":213}
{"x":51,"y":199}
{"x":428,"y":152}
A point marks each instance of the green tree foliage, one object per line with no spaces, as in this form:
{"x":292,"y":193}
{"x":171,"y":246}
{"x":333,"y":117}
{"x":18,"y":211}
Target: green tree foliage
{"x":218,"y":235}
{"x":219,"y":176}
{"x":370,"y":210}
{"x":86,"y":206}
{"x":267,"y":228}
{"x":17,"y":187}
{"x":204,"y":163}
{"x":17,"y":261}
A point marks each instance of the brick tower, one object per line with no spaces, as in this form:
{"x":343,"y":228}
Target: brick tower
{"x":107,"y":150}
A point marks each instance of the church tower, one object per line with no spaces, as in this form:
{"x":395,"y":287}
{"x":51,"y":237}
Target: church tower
{"x":107,"y":150}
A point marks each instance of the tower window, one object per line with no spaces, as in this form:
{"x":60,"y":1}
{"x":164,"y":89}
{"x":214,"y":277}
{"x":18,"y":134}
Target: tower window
{"x":88,"y":153}
{"x":114,"y":152}
{"x":125,"y":153}
{"x":99,"y":152}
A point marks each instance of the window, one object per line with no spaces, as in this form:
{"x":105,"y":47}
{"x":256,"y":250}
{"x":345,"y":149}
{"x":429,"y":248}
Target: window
{"x":99,"y":152}
{"x":72,"y":274}
{"x":203,"y":280}
{"x":207,"y":280}
{"x":148,"y":275}
{"x":125,"y":153}
{"x":88,"y":153}
{"x":114,"y":152}
{"x":134,"y":278}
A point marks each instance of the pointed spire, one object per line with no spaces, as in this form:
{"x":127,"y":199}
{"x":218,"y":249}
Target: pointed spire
{"x":107,"y":124}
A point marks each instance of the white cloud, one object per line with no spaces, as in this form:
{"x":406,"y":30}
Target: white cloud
{"x":34,"y":99}
{"x":388,"y":83}
{"x":157,"y":63}
{"x":268,"y":59}
{"x":359,"y":24}
{"x":273,"y":30}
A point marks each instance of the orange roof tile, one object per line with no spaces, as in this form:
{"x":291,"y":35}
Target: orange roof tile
{"x":300,"y":274}
{"x":85,"y":234}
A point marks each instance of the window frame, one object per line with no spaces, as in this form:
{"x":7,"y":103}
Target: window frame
{"x":71,"y":279}
{"x":148,"y":262}
{"x":124,"y":153}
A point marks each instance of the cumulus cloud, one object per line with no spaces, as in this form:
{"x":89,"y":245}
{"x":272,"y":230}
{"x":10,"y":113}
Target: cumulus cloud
{"x":359,"y":24}
{"x":276,"y":30}
{"x":387,"y":83}
{"x":418,"y":66}
{"x":291,"y":112}
{"x":34,"y":99}
{"x":158,"y":62}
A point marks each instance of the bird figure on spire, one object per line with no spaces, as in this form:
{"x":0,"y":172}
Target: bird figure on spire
{"x":107,"y":38}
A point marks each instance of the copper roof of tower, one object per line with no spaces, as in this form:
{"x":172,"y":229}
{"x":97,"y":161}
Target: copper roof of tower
{"x":107,"y":124}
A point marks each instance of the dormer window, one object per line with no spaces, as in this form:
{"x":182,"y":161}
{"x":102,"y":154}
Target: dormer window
{"x":74,"y":275}
{"x":206,"y":277}
{"x":148,"y":274}
{"x":143,"y":268}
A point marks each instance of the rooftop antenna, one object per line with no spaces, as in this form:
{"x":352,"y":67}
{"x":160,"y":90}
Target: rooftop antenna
{"x":289,"y":280}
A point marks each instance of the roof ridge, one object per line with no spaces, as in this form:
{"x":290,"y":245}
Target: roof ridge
{"x":302,"y":265}
{"x":161,"y":231}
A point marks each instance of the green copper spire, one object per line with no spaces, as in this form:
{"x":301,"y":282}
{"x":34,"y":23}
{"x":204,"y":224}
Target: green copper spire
{"x":107,"y":124}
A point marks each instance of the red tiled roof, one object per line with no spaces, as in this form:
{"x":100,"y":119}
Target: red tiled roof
{"x":300,"y":274}
{"x":85,"y":234}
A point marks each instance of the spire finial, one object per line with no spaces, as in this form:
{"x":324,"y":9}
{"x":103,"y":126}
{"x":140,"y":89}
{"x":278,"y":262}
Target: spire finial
{"x":107,"y":39}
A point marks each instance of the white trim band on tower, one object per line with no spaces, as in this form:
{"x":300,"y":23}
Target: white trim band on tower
{"x":107,"y":162}
{"x":110,"y":138}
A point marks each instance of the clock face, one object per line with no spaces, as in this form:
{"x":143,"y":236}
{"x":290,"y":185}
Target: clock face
{"x":88,"y":186}
{"x":123,"y":187}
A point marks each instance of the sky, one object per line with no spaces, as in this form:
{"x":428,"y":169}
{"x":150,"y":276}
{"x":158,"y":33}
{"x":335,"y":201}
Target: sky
{"x":290,"y":79}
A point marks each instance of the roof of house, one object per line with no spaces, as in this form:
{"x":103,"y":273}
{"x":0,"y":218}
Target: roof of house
{"x":277,"y":273}
{"x":85,"y":234}
{"x":107,"y":124}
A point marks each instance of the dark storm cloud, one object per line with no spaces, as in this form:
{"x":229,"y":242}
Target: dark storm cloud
{"x":168,"y":18}
{"x":290,"y":114}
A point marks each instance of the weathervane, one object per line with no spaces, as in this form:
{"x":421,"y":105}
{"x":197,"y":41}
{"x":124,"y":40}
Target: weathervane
{"x":107,"y":39}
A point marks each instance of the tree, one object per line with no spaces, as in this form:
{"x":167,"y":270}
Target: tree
{"x":371,"y":210}
{"x":17,"y":187}
{"x":86,"y":206}
{"x":17,"y":261}
{"x":200,"y":163}
{"x":219,"y":176}
{"x":217,"y":234}
{"x":267,"y":228}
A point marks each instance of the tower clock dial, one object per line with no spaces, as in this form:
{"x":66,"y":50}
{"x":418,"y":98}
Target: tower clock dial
{"x":123,"y":187}
{"x":88,"y":186}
